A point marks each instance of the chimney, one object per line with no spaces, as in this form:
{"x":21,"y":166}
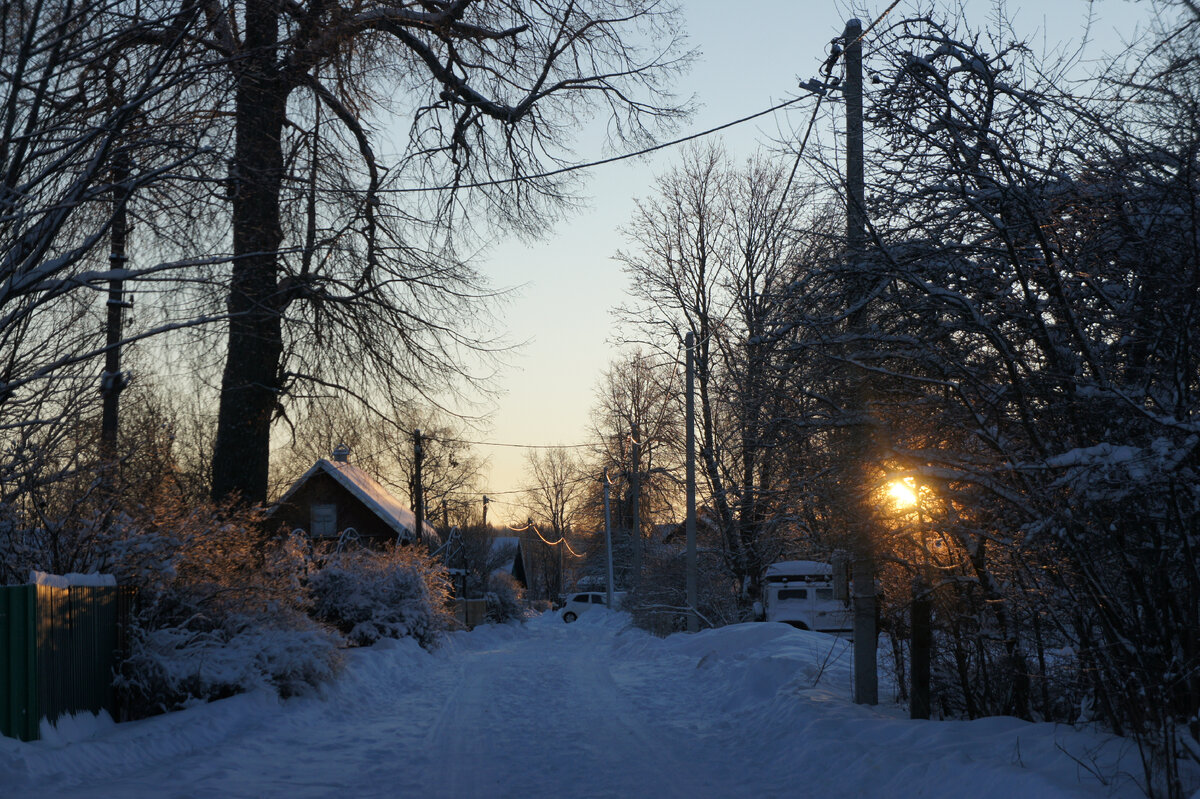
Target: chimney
{"x":341,"y":454}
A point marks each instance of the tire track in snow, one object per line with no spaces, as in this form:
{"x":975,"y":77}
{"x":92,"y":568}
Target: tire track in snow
{"x":548,"y":707}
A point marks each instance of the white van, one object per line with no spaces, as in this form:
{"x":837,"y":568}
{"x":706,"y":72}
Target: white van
{"x":803,"y":593}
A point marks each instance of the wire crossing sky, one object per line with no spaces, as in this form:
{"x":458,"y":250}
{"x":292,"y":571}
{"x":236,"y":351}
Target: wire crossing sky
{"x":567,"y":284}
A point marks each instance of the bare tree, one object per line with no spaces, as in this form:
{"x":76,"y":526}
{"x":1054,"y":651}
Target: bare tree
{"x":715,"y":252}
{"x":333,"y":258}
{"x":639,"y":394}
{"x":82,"y":91}
{"x":1025,"y":330}
{"x":556,"y":476}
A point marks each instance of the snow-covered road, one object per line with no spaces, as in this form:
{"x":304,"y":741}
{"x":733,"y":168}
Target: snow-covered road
{"x":591,"y":709}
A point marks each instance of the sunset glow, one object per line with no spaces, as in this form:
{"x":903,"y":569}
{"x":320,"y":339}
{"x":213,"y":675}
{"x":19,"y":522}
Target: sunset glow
{"x":902,"y":492}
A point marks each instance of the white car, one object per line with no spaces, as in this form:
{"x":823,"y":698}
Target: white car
{"x":585,"y":600}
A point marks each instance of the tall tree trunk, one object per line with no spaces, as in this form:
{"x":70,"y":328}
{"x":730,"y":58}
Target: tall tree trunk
{"x":250,"y":384}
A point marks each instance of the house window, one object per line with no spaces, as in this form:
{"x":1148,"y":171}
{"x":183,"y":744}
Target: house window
{"x":324,"y":521}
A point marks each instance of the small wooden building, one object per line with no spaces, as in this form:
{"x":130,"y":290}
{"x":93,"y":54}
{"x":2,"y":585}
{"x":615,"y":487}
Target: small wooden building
{"x":336,"y":498}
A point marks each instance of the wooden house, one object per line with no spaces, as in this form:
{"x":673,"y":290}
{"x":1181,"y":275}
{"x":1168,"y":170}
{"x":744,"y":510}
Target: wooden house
{"x":336,"y":501}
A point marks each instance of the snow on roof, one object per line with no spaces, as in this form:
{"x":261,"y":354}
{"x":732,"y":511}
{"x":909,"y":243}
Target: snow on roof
{"x":367,"y":490}
{"x":790,"y":568}
{"x":501,"y":541}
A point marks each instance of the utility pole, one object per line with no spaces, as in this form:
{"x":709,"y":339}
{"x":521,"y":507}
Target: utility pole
{"x":113,"y":381}
{"x":856,"y":211}
{"x":418,"y":488}
{"x":635,"y":485}
{"x":693,"y":620}
{"x":608,"y":539}
{"x":921,"y":648}
{"x":485,"y":504}
{"x":866,"y":678}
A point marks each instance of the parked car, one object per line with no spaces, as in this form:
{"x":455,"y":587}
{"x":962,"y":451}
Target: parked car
{"x":585,"y":600}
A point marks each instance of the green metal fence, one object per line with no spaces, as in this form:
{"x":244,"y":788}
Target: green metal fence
{"x":60,"y":648}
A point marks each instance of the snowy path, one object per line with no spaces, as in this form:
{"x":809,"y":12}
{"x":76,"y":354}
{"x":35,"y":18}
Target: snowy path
{"x":582,"y":710}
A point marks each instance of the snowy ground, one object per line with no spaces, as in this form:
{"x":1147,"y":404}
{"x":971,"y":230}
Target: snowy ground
{"x":591,"y":709}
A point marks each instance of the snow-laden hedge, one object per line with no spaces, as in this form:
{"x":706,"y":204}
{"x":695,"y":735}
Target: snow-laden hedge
{"x":391,"y":594}
{"x":505,"y":599}
{"x":221,"y":609}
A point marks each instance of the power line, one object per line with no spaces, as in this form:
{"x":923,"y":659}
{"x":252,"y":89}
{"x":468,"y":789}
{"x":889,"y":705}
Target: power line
{"x":624,"y":156}
{"x":517,"y":446}
{"x":575,"y":167}
{"x":562,"y":539}
{"x":491,"y":494}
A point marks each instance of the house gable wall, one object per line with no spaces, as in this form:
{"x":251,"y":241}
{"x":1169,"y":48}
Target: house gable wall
{"x":321,"y":489}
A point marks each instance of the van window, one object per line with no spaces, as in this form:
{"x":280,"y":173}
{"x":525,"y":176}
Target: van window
{"x":793,"y":593}
{"x":597,"y":599}
{"x":824,"y":593}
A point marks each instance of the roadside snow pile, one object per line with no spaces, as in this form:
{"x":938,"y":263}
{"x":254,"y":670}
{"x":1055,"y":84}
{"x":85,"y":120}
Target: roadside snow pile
{"x":791,"y":690}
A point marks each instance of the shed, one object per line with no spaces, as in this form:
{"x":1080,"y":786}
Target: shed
{"x":335,"y":496}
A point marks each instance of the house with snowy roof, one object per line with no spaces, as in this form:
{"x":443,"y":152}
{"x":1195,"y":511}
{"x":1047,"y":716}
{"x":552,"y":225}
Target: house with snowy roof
{"x":336,"y":499}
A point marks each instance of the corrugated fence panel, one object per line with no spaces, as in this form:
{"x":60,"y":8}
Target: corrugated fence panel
{"x":19,"y":713}
{"x":77,"y":649}
{"x":61,"y":647}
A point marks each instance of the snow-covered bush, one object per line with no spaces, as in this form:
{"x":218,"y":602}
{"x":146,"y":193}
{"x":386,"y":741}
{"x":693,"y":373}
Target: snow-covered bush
{"x":175,"y":666}
{"x":504,"y":598}
{"x":370,"y":595}
{"x":221,"y":608}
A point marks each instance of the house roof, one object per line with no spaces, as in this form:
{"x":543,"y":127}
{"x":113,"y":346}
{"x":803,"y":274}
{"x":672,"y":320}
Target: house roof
{"x":369,"y":492}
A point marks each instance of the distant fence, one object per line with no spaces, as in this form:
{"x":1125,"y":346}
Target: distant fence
{"x":60,"y":646}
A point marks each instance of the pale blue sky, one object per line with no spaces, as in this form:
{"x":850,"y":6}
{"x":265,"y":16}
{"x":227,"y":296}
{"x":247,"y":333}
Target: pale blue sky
{"x":751,"y":56}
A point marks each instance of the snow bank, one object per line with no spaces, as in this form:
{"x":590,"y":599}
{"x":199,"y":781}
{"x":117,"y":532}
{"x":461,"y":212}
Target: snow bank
{"x":94,"y":579}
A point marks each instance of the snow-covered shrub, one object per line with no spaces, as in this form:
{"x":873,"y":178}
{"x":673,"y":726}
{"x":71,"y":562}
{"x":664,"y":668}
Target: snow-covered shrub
{"x":370,"y":595}
{"x":221,"y":608}
{"x":174,"y":666}
{"x":504,"y":598}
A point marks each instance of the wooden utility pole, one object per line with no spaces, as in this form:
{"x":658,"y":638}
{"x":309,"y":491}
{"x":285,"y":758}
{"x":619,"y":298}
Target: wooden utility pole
{"x":418,"y":489}
{"x":608,"y":539}
{"x":485,"y":504}
{"x":866,"y":678}
{"x":856,"y":214}
{"x":922,"y":648}
{"x":693,"y":620}
{"x":113,"y":381}
{"x":635,"y":487}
